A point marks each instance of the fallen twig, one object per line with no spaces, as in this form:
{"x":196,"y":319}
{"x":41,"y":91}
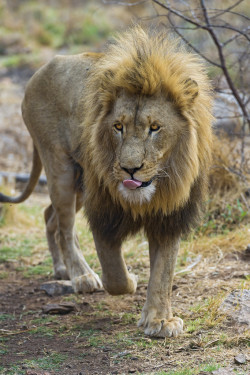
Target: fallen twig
{"x":192,"y":265}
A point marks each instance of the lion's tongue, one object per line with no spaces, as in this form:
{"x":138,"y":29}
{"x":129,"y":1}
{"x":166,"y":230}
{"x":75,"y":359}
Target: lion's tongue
{"x":132,"y":184}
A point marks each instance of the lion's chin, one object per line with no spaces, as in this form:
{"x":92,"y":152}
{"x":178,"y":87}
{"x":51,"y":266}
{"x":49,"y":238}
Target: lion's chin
{"x":137,"y":196}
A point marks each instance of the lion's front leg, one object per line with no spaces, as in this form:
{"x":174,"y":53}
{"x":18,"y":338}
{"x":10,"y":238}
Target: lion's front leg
{"x":115,"y":276}
{"x":157,"y":317}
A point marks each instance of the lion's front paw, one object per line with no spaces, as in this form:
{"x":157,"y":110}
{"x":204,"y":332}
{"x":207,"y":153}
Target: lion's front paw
{"x":163,"y":327}
{"x":86,"y":283}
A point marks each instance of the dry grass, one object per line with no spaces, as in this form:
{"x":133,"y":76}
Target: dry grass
{"x":229,"y":171}
{"x":15,"y":217}
{"x":8,"y":212}
{"x":228,"y":206}
{"x":233,"y":241}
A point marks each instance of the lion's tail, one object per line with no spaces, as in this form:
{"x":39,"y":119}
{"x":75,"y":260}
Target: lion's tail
{"x":34,"y":176}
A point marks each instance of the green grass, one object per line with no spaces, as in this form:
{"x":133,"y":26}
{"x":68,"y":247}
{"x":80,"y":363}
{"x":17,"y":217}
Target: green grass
{"x":34,"y":212}
{"x":3,"y":275}
{"x":196,"y":370}
{"x":49,"y":362}
{"x":19,"y":60}
{"x":194,"y":325}
{"x":190,"y":370}
{"x":222,"y":219}
{"x":43,"y":331}
{"x":128,"y":318}
{"x":13,"y":370}
{"x":3,"y":351}
{"x":45,"y":268}
{"x":18,"y":246}
{"x":207,"y":314}
{"x":7,"y":317}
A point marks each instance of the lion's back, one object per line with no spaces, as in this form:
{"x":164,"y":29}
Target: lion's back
{"x":53,"y":97}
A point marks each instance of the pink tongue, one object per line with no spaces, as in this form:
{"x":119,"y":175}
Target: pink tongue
{"x":132,"y":184}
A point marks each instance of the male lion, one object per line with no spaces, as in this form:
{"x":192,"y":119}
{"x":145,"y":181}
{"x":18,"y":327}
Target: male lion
{"x":127,"y":134}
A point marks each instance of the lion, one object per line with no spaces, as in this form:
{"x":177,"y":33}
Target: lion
{"x":126,"y":134}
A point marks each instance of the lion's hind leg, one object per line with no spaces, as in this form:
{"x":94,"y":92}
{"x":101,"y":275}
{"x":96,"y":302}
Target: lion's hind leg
{"x":65,"y":202}
{"x":60,"y":271}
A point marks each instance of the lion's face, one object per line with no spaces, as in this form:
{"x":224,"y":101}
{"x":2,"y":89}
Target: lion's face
{"x":143,"y":131}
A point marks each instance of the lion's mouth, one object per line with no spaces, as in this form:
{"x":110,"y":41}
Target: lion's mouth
{"x":136,"y":184}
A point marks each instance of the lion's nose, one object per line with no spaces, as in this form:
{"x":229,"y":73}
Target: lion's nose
{"x":131,"y":171}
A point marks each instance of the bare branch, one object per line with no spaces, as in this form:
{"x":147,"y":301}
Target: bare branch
{"x":176,"y":29}
{"x":227,"y":117}
{"x":123,"y":3}
{"x":234,"y":13}
{"x":223,"y":63}
{"x":197,"y":24}
{"x":227,"y":9}
{"x":190,"y":10}
{"x":179,"y":14}
{"x":235,"y":37}
{"x":229,"y":27}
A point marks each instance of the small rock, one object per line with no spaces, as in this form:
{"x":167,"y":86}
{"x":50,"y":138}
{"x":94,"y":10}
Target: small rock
{"x":132,"y":371}
{"x":237,"y":305}
{"x":240,"y":359}
{"x":57,"y":287}
{"x":59,"y":308}
{"x":123,"y":354}
{"x":224,"y":371}
{"x":106,"y":349}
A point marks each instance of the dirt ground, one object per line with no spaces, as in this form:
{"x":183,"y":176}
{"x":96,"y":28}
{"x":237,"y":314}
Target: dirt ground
{"x":100,"y":335}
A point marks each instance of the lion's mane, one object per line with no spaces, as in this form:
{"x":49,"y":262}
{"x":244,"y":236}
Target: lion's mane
{"x":148,"y":63}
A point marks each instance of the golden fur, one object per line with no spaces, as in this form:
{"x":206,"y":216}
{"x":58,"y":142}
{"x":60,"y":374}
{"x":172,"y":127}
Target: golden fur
{"x":140,"y":113}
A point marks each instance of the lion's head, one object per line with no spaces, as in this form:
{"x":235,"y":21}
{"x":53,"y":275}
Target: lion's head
{"x":147,"y":126}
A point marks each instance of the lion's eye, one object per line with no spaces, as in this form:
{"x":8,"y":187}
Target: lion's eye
{"x":118,"y":126}
{"x":154,"y":127}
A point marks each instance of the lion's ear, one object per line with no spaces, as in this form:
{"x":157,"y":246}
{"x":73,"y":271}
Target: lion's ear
{"x":191,"y":91}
